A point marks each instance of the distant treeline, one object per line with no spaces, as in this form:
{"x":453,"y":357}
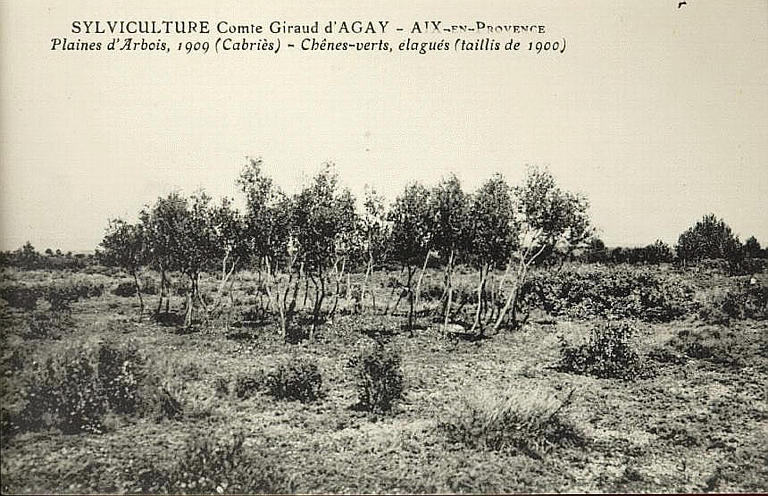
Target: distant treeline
{"x":28,"y":258}
{"x":658,"y":253}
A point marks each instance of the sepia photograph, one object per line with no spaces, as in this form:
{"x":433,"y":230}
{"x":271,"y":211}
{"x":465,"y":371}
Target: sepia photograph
{"x":358,"y":247}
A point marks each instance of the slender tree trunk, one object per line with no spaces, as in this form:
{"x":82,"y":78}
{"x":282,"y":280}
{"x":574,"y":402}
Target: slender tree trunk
{"x":226,"y":273}
{"x":167,"y":295}
{"x":348,"y":292}
{"x":231,"y":295}
{"x":522,"y":271}
{"x":411,"y":300}
{"x":319,"y":296}
{"x":259,"y":294}
{"x":490,"y":306}
{"x":138,"y":291}
{"x":273,"y":281}
{"x":480,"y":300}
{"x":449,"y":290}
{"x":190,"y":302}
{"x":162,"y":291}
{"x":421,"y":276}
{"x":306,"y":293}
{"x":364,"y":289}
{"x":392,"y":294}
{"x":339,"y":276}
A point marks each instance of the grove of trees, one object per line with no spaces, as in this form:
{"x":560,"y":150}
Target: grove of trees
{"x":314,"y":238}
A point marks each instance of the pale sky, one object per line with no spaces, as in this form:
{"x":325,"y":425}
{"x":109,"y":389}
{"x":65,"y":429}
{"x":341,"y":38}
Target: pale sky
{"x":658,"y":115}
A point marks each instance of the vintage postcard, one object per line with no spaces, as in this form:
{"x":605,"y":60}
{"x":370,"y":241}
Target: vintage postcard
{"x":357,"y":247}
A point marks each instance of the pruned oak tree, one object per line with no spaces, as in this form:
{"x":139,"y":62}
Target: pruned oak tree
{"x":267,"y":226}
{"x":449,"y":231}
{"x":492,"y":232}
{"x":410,"y":235}
{"x":374,"y":232}
{"x":323,"y":216}
{"x":549,"y":218}
{"x":125,"y":246}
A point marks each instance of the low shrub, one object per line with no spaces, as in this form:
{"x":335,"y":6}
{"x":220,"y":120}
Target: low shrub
{"x":714,"y":344}
{"x":608,"y":353}
{"x":745,"y":301}
{"x":248,"y":385}
{"x":61,"y":295}
{"x":221,"y":387}
{"x":378,"y":378}
{"x":20,"y":296}
{"x":125,"y":289}
{"x":122,"y":371}
{"x":12,"y":359}
{"x":526,"y":423}
{"x":207,"y":465}
{"x":67,"y":390}
{"x":297,"y":379}
{"x":431,"y":290}
{"x":620,"y":293}
{"x":76,"y":387}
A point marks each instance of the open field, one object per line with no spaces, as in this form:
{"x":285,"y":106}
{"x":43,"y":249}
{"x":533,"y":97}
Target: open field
{"x":694,"y":417}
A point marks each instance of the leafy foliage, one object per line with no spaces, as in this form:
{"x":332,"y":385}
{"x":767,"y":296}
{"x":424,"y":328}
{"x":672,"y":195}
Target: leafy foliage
{"x":379,"y":379}
{"x":74,"y":389}
{"x":247,"y":385}
{"x":491,"y":223}
{"x":553,"y":219}
{"x":47,"y":325}
{"x":124,"y":245}
{"x":125,"y":289}
{"x":709,"y":238}
{"x":61,"y":295}
{"x":449,"y":215}
{"x":323,"y":219}
{"x":20,"y":296}
{"x":410,"y":217}
{"x":609,"y":353}
{"x":297,"y":379}
{"x":609,"y":293}
{"x":67,"y":387}
{"x":745,"y":301}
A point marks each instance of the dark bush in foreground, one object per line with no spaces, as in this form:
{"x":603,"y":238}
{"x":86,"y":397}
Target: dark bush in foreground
{"x":297,"y":379}
{"x":67,"y":390}
{"x":608,"y":353}
{"x":121,"y":369}
{"x":75,"y":388}
{"x":209,"y":466}
{"x":522,"y":422}
{"x":378,"y":378}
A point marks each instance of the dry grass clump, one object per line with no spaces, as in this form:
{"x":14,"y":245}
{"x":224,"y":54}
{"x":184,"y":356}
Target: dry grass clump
{"x":531,"y":423}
